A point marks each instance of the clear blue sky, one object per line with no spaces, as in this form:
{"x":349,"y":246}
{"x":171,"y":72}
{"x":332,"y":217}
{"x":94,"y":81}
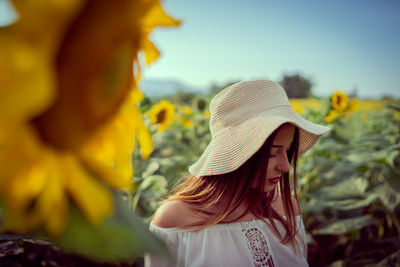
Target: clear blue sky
{"x":337,"y":44}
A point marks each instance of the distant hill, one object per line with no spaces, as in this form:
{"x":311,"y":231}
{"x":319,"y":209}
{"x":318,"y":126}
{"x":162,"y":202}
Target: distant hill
{"x":162,"y":87}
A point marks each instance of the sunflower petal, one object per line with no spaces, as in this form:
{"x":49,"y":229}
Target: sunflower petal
{"x":110,"y":151}
{"x":144,"y":140}
{"x":34,"y":194}
{"x":157,"y":17}
{"x":136,"y":94}
{"x":92,"y":198}
{"x":150,"y":51}
{"x":53,"y":202}
{"x":19,"y":185}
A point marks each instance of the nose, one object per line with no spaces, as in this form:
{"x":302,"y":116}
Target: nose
{"x":283,"y":164}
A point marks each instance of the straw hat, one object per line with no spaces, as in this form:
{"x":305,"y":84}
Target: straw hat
{"x":243,"y":115}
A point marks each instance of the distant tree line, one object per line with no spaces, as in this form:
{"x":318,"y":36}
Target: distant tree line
{"x":296,"y":86}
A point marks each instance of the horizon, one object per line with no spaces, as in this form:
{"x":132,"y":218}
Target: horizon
{"x":147,"y":86}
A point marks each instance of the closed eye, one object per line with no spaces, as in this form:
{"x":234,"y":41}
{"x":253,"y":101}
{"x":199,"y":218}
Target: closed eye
{"x":274,"y":155}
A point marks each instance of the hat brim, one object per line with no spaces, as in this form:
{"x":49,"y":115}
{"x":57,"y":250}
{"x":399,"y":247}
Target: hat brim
{"x":235,"y":145}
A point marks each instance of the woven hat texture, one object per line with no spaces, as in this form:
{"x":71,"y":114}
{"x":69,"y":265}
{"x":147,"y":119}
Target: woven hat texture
{"x":243,"y":115}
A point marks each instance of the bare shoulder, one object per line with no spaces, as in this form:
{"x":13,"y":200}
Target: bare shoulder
{"x":174,"y":214}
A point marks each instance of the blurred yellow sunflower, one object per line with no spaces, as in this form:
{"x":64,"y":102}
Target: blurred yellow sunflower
{"x":187,"y":123}
{"x":68,"y":107}
{"x":333,"y":114}
{"x":186,"y":110}
{"x":354,"y":105}
{"x":163,"y":114}
{"x":206,"y":114}
{"x":339,"y":101}
{"x":297,"y":106}
{"x":371,"y":105}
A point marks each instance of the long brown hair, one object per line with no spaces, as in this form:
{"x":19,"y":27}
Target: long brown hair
{"x":244,"y":186}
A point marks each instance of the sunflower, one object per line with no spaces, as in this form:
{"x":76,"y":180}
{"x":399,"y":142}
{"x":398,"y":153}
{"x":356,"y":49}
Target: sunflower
{"x":187,"y":123}
{"x":206,"y":114}
{"x":354,"y":105}
{"x":333,"y":114}
{"x":186,"y":110}
{"x":184,"y":116}
{"x":297,"y":106}
{"x":69,"y":118}
{"x":163,"y":114}
{"x":339,"y":101}
{"x":201,"y":104}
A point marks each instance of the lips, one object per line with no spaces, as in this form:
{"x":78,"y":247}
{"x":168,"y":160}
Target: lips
{"x":274,"y":180}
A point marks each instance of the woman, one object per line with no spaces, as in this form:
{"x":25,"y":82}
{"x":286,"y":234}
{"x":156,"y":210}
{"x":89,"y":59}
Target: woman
{"x":239,"y":207}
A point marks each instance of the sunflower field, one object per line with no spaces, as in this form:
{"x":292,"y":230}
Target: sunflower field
{"x":349,"y":182}
{"x":86,"y":157}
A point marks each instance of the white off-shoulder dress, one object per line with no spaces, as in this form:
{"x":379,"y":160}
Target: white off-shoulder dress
{"x":238,"y":244}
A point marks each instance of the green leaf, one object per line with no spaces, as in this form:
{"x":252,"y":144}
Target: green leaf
{"x":145,"y":105}
{"x":385,"y":156}
{"x":121,"y":237}
{"x":317,"y":205}
{"x":152,"y":180}
{"x":151,"y":169}
{"x":345,"y":225}
{"x":349,"y":204}
{"x":351,"y":188}
{"x":390,"y":198}
{"x":358,"y":157}
{"x":393,"y":179}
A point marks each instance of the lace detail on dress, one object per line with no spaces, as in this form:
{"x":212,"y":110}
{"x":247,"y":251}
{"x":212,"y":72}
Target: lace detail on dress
{"x":258,"y":245}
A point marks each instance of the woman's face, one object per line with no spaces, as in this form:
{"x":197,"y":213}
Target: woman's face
{"x":278,"y":162}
